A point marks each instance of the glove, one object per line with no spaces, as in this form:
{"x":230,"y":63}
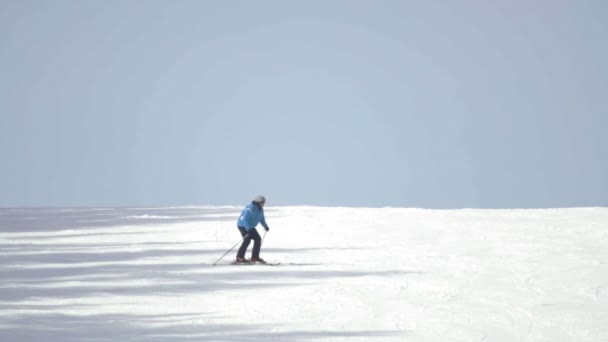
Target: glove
{"x":267,"y":228}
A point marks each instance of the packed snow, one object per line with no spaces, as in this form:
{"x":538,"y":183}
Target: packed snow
{"x":346,"y":274}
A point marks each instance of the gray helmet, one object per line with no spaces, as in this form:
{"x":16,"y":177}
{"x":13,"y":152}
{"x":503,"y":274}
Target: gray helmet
{"x":259,"y":199}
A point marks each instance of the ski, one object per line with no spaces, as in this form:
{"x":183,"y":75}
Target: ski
{"x":234,"y":263}
{"x":249,"y":263}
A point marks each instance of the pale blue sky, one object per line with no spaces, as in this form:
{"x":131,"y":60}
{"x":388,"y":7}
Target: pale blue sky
{"x":437,"y":104}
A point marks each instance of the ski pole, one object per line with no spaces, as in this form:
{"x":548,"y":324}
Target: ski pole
{"x":222,"y":257}
{"x":261,"y":243}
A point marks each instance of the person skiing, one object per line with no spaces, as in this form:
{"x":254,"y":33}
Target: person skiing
{"x":251,"y":215}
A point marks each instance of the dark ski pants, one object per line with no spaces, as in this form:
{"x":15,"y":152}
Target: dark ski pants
{"x":257,"y":243}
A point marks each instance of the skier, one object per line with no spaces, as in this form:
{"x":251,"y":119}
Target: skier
{"x":249,"y":219}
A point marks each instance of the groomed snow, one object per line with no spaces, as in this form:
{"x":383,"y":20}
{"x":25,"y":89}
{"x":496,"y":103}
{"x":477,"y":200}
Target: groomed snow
{"x":347,"y":274}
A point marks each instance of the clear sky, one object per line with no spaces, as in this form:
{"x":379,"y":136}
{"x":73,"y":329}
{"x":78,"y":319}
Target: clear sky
{"x":436,"y":104}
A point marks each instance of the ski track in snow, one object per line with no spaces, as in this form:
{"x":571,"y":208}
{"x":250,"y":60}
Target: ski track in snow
{"x":356,"y":274}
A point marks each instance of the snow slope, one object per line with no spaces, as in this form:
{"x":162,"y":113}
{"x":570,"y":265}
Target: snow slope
{"x":347,"y":274}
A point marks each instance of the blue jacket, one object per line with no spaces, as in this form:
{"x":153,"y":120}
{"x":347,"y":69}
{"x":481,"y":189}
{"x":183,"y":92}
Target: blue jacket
{"x":251,"y":216}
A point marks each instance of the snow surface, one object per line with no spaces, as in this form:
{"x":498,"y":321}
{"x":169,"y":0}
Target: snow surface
{"x":347,"y":274}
